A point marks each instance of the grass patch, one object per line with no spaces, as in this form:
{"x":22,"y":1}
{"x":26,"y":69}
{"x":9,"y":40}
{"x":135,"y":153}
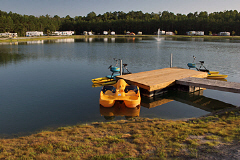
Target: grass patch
{"x":138,"y":138}
{"x":25,"y":39}
{"x":212,"y":137}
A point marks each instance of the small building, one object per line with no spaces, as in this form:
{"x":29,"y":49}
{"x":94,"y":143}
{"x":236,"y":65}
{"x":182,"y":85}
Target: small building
{"x":139,"y":33}
{"x":34,"y":33}
{"x":112,"y":33}
{"x":62,"y":33}
{"x":224,"y":34}
{"x":85,"y":32}
{"x":200,"y":33}
{"x":90,"y":33}
{"x":195,"y":33}
{"x":7,"y":34}
{"x":169,"y":33}
{"x":56,"y":33}
{"x":105,"y":32}
{"x":191,"y":33}
{"x":66,"y":33}
{"x":162,"y":32}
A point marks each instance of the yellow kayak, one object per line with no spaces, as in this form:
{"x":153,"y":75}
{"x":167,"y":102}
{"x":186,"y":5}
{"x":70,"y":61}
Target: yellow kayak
{"x":103,"y":84}
{"x":122,"y":92}
{"x":217,"y":76}
{"x":101,"y":80}
{"x":213,"y":72}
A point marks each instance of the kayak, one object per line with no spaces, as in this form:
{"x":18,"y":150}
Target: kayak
{"x":217,"y":76}
{"x":121,"y":92}
{"x":103,"y":84}
{"x":213,"y":72}
{"x":101,"y":80}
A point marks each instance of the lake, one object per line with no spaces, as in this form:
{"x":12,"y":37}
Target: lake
{"x":47,"y":84}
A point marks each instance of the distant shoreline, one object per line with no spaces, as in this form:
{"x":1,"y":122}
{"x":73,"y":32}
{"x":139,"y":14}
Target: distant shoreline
{"x":24,"y":39}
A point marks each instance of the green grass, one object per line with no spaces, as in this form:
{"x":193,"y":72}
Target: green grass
{"x":138,"y":138}
{"x":24,"y":39}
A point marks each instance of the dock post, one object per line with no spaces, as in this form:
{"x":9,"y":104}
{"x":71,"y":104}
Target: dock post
{"x":171,"y":61}
{"x":120,"y":66}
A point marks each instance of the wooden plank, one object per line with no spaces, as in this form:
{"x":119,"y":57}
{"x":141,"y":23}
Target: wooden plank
{"x":161,"y":78}
{"x":211,"y":84}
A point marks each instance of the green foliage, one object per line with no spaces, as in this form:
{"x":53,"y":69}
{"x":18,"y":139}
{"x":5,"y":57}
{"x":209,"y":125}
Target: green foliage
{"x":121,"y":22}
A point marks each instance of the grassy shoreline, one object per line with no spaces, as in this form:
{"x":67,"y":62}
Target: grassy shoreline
{"x":207,"y":137}
{"x":24,"y":39}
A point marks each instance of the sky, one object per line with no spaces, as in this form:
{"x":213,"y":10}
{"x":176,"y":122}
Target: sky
{"x":73,"y":8}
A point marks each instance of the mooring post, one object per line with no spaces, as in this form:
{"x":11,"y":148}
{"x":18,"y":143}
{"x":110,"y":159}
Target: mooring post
{"x":120,"y":67}
{"x":171,"y":61}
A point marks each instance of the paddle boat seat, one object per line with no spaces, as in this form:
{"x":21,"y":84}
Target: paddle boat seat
{"x":191,"y":65}
{"x":131,"y":88}
{"x":108,"y":88}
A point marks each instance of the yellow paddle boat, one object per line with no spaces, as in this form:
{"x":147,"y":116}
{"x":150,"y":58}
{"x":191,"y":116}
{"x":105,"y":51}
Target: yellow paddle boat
{"x":122,"y":92}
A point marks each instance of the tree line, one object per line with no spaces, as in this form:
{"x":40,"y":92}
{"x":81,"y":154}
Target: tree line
{"x":120,"y":22}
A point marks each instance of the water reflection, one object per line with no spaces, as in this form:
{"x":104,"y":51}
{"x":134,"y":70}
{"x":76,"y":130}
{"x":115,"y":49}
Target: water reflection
{"x":113,"y":40}
{"x":68,"y":40}
{"x":6,"y":58}
{"x":195,"y":99}
{"x":35,"y":42}
{"x":119,"y":109}
{"x":9,"y":43}
{"x":51,"y":86}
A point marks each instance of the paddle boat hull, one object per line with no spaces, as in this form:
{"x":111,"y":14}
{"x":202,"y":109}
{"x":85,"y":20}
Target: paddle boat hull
{"x":217,"y":76}
{"x":121,"y":92}
{"x":213,"y":72}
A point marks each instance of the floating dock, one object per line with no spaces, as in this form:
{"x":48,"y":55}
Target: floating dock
{"x":211,"y":84}
{"x":156,"y":81}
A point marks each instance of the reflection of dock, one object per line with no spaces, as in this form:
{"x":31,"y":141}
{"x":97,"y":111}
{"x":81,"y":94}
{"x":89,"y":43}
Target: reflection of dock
{"x":157,"y":80}
{"x":151,"y":103}
{"x":202,"y":102}
{"x":194,"y":99}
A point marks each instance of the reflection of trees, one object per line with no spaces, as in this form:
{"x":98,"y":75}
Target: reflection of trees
{"x":6,"y":58}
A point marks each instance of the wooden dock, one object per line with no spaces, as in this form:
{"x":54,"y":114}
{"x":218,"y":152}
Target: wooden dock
{"x":211,"y":84}
{"x":157,"y":80}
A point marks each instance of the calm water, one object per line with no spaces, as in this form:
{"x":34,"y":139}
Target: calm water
{"x":47,"y":84}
